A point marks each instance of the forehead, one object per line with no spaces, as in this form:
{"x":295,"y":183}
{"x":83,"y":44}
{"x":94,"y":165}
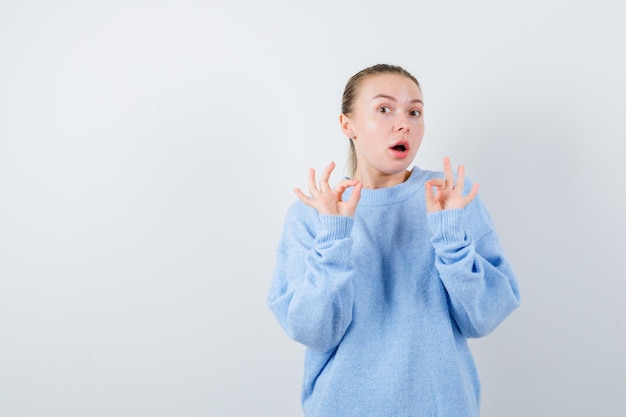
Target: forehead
{"x":395,"y":85}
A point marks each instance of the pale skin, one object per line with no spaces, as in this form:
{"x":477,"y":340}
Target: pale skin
{"x":387,"y":110}
{"x":447,"y":194}
{"x":326,"y":199}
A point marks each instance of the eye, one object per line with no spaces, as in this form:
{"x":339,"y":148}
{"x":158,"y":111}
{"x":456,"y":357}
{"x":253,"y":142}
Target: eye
{"x":384,"y":109}
{"x":416,"y":113}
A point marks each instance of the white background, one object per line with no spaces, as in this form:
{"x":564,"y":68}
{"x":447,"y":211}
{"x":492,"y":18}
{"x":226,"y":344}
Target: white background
{"x":148,"y":152}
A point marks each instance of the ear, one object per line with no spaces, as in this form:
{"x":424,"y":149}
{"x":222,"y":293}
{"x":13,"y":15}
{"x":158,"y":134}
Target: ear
{"x":346,"y":125}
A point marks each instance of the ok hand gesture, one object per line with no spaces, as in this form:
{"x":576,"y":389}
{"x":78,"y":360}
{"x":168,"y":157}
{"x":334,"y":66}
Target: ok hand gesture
{"x":448,"y":196}
{"x":328,"y":200}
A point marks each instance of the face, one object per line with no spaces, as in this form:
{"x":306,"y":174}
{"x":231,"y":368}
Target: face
{"x":387,"y":124}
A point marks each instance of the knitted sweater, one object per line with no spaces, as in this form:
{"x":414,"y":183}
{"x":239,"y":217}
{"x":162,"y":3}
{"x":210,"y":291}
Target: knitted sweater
{"x":385,"y":300}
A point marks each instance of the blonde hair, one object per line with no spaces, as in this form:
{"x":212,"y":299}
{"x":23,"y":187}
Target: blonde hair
{"x":352,"y":89}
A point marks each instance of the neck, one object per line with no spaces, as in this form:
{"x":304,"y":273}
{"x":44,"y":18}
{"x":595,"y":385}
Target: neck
{"x":375,"y":181}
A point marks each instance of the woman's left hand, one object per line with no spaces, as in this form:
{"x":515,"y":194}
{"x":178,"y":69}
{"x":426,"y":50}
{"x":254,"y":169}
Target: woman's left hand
{"x":448,"y":196}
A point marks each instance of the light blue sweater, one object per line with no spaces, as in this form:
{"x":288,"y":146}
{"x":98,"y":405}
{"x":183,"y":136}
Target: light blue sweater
{"x":384,"y":302}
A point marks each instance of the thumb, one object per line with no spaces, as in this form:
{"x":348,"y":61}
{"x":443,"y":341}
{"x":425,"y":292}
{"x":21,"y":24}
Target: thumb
{"x":355,"y":197}
{"x":430,"y":194}
{"x":431,"y":202}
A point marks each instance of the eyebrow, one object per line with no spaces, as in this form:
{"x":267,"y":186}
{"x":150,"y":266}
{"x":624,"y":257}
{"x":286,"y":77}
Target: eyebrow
{"x":388,"y":97}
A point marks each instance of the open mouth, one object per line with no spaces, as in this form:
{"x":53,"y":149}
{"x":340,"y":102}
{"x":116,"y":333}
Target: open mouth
{"x":401,"y":146}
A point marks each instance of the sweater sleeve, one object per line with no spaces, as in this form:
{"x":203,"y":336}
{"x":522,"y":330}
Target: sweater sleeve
{"x":311,"y":293}
{"x":480,"y":283}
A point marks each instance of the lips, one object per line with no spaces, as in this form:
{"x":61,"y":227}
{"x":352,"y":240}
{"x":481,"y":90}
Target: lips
{"x":401,"y":147}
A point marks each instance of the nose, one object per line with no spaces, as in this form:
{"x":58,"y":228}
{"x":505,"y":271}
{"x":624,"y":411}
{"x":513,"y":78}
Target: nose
{"x":402,"y":123}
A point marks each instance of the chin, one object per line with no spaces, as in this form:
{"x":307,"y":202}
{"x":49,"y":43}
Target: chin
{"x":403,"y":165}
{"x":397,"y":170}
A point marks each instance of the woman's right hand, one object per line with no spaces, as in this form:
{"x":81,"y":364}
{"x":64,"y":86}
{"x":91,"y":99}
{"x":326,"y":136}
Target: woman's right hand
{"x":328,"y":200}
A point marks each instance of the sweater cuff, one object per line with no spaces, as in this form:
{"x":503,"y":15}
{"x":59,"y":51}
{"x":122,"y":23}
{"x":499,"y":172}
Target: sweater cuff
{"x":446,"y":225}
{"x":333,"y":228}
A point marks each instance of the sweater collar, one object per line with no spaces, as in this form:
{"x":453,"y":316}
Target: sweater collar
{"x":390,"y":195}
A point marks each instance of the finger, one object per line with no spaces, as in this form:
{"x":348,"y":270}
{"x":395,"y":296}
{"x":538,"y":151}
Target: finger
{"x":430,"y":194}
{"x":447,"y":171}
{"x":460,"y":180}
{"x":342,"y":185}
{"x":312,"y":186}
{"x":325,"y":177}
{"x":437,"y":182}
{"x":303,"y":197}
{"x":356,"y":195}
{"x":472,"y":194}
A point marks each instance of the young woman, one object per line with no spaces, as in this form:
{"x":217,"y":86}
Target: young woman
{"x":384,"y":276}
